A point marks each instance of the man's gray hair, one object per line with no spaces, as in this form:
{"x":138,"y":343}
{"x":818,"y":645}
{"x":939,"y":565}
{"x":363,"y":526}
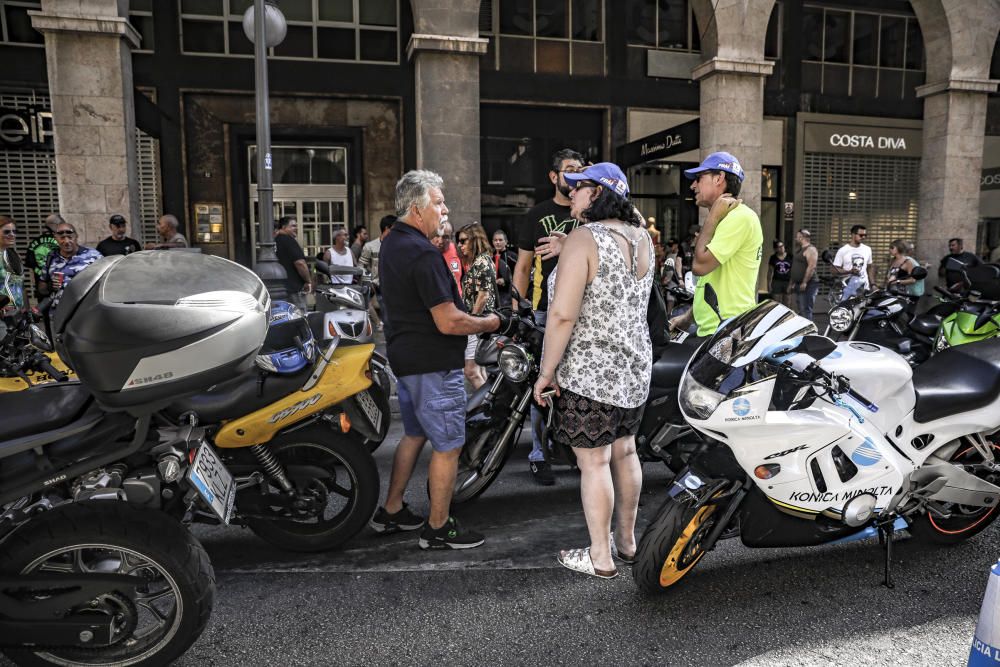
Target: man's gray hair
{"x":414,"y":188}
{"x":172,"y":220}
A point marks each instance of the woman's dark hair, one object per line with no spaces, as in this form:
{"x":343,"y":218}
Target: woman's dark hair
{"x":609,"y":206}
{"x":12,"y":256}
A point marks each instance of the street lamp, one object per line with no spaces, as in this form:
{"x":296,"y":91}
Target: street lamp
{"x":265,"y":27}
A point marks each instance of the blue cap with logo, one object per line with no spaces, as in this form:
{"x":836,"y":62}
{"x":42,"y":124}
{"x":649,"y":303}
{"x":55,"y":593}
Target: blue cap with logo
{"x":606,"y":173}
{"x":720,"y":161}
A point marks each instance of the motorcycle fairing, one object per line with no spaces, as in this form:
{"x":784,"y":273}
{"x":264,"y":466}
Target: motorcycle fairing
{"x":345,"y":376}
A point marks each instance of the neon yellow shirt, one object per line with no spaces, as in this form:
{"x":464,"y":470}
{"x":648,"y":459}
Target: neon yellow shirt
{"x":737,"y":244}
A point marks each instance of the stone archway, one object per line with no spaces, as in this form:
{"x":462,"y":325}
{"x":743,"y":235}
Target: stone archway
{"x":958,"y":39}
{"x":732,"y":82}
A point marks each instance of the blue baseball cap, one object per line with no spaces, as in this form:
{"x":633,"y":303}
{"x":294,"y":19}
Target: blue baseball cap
{"x":606,"y":173}
{"x":720,"y":161}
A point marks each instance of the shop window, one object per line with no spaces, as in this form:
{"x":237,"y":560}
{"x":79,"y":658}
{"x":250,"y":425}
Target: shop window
{"x":550,"y":36}
{"x":882,"y":54}
{"x":340,"y":30}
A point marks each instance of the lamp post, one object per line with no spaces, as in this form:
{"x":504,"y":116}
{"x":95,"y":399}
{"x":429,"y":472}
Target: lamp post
{"x":264,"y":25}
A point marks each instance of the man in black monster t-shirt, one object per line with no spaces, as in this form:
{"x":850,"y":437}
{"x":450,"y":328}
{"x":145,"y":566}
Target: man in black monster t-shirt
{"x":550,"y":216}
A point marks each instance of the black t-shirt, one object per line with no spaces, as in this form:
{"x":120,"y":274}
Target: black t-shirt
{"x":538,"y":223}
{"x":109,"y":246}
{"x":289,"y":251}
{"x":953,"y":277}
{"x":782,"y":268}
{"x":38,"y":252}
{"x":414,"y":278}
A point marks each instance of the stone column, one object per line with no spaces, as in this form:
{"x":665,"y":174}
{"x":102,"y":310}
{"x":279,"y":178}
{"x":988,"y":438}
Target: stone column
{"x":88,"y":49}
{"x":732,"y":115}
{"x":954,"y":125}
{"x":445,"y":49}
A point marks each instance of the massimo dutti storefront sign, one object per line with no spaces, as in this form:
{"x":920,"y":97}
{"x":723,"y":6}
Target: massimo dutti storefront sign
{"x":862,"y":140}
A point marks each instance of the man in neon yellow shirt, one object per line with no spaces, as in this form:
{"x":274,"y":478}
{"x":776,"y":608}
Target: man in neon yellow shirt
{"x":728,"y":248}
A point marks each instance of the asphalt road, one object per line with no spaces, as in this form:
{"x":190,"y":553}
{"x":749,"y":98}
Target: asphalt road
{"x":383,"y":601}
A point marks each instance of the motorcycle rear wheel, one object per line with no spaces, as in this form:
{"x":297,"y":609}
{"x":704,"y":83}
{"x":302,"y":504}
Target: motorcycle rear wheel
{"x":335,"y":470}
{"x":108,"y":536}
{"x":965,"y":521}
{"x":671,"y":545}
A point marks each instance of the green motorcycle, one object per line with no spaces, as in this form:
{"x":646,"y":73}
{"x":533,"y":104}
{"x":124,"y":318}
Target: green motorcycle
{"x":978,"y":317}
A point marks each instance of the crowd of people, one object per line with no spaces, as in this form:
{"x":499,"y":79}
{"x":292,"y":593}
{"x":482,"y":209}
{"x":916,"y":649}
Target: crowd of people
{"x":55,"y":257}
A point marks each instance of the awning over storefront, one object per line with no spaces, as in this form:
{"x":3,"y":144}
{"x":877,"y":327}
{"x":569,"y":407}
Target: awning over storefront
{"x":659,"y":145}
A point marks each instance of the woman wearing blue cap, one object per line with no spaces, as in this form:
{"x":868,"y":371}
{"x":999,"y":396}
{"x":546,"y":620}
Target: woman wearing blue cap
{"x":598,"y":358}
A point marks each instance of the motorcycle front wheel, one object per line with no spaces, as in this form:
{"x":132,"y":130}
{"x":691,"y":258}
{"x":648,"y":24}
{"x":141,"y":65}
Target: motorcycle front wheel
{"x":471,"y":481}
{"x":671,"y":545}
{"x":336,"y":491}
{"x":964,"y":521}
{"x":170,"y":609}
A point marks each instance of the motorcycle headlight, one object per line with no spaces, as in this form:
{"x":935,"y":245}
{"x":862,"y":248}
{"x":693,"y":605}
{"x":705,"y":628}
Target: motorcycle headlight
{"x":698,"y":400}
{"x":514,"y":363}
{"x":841,"y":319}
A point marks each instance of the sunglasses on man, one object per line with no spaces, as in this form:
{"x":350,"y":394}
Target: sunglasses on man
{"x":65,"y":234}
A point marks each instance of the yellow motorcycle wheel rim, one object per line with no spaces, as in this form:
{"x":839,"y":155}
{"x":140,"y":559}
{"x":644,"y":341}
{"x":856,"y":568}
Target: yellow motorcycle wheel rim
{"x":670,"y":573}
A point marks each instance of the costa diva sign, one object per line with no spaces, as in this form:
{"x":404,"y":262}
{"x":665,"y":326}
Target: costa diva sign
{"x":860,"y":140}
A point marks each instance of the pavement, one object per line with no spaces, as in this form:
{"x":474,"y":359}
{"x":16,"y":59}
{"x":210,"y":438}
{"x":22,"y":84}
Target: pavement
{"x":382,"y":601}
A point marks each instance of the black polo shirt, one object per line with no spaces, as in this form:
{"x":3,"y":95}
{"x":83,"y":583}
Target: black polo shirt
{"x":414,"y":278}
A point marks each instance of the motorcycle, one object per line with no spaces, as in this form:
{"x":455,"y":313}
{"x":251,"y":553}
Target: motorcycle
{"x":16,"y":334}
{"x":344,"y":307}
{"x":978,"y":316}
{"x":85,"y":579}
{"x":812,"y":442}
{"x":496,"y":412}
{"x":281,"y":453}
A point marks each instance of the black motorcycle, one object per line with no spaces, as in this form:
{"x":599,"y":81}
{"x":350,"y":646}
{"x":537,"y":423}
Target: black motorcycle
{"x":496,"y":413}
{"x":84,"y":577}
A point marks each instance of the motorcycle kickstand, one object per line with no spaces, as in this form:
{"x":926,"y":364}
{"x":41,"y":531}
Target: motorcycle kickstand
{"x":885,"y":537}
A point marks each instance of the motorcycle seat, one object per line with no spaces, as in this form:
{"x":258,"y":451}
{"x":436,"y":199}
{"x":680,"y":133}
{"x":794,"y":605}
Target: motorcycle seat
{"x":926,"y":324}
{"x":959,"y":379}
{"x":42,"y":408}
{"x":239,"y":396}
{"x":669,"y":366}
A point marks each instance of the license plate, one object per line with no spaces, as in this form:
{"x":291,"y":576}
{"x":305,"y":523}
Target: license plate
{"x":371,"y":410}
{"x":215,"y":484}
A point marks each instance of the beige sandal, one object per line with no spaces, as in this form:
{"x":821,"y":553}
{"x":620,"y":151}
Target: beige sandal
{"x":579,"y":560}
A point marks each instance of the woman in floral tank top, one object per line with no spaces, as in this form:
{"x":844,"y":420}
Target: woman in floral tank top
{"x":598,"y":357}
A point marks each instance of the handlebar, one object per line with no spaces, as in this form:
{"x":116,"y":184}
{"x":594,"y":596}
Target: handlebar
{"x":43,"y":364}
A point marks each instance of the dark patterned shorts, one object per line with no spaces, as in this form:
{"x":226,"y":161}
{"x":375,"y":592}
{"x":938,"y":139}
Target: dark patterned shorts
{"x":584,"y":422}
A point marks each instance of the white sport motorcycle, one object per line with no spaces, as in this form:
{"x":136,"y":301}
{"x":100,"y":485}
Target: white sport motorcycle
{"x":811,"y":442}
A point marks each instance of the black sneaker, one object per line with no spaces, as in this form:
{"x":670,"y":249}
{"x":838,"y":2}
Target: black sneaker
{"x":449,"y":536}
{"x":404,"y":519}
{"x":542,"y":472}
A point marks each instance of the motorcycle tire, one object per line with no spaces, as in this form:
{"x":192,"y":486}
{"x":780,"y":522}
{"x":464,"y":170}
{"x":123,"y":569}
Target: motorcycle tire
{"x":670,"y":546}
{"x":343,"y":460}
{"x":103,"y":533}
{"x":965,"y":521}
{"x":478,"y":488}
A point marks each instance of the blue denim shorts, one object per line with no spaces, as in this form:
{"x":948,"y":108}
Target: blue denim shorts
{"x":432,"y":406}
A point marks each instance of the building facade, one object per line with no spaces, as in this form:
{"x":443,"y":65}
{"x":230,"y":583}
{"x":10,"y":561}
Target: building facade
{"x":843,"y":113}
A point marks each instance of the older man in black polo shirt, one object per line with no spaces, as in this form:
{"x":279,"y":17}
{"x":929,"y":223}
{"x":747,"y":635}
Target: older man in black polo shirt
{"x":426,"y":349}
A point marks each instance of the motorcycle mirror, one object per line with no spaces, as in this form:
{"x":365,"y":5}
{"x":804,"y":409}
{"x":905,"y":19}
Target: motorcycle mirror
{"x":827,"y":256}
{"x":689,"y":282}
{"x":712,"y":299}
{"x":668,"y":263}
{"x":919,"y":273}
{"x":816,"y":347}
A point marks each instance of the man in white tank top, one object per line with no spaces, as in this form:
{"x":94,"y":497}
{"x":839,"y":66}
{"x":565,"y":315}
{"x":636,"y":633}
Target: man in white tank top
{"x":340,"y":254}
